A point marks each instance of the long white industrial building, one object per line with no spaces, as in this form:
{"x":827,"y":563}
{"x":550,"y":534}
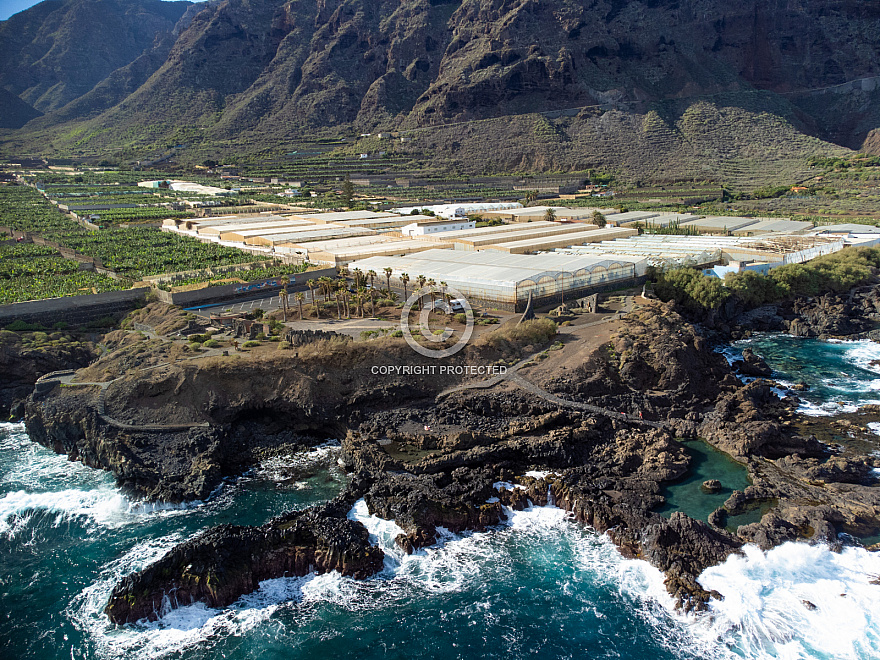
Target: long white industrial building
{"x":505,"y":281}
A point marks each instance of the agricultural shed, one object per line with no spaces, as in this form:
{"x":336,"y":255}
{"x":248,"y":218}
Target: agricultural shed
{"x":485,"y":231}
{"x":846,"y":228}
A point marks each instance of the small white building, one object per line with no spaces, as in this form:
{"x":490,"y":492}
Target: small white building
{"x":435,"y":226}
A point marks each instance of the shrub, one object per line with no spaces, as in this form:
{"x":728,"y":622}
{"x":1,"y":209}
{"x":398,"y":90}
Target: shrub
{"x":211,"y":343}
{"x":836,"y":272}
{"x":690,"y":288}
{"x":397,"y":333}
{"x":537,"y":331}
{"x":251,"y":344}
{"x":21,"y":326}
{"x":460,"y":317}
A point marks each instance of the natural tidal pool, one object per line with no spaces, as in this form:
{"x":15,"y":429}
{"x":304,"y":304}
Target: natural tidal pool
{"x":686,"y":495}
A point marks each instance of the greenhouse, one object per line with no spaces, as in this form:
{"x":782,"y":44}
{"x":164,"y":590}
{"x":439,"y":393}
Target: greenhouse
{"x":505,"y":281}
{"x":394,"y":222}
{"x":658,"y":221}
{"x":292,"y":237}
{"x":719,"y":224}
{"x":673,"y":251}
{"x":241,"y":235}
{"x":392,"y":247}
{"x":342,"y":216}
{"x":774,"y":226}
{"x":539,"y":243}
{"x":493,"y":238}
{"x":277,"y":221}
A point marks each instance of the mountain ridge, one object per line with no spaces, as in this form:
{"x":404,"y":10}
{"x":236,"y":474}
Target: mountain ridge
{"x":255,"y":72}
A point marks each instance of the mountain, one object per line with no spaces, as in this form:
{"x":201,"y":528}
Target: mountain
{"x":253,"y":72}
{"x":59,"y":50}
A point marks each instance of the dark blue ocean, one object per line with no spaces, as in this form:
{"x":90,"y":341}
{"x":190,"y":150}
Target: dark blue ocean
{"x":540,"y":586}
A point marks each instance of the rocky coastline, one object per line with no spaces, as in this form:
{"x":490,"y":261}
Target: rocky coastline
{"x":426,"y":455}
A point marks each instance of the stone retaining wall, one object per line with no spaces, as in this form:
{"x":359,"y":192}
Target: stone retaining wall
{"x":73,"y":309}
{"x":230,"y":292}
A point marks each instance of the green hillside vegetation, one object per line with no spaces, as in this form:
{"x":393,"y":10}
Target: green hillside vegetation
{"x":833,"y":273}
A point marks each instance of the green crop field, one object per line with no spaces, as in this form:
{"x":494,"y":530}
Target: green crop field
{"x":32,"y":272}
{"x":135,"y":252}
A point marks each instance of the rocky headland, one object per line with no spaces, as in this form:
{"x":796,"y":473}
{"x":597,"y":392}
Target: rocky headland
{"x":24,"y":357}
{"x":600,"y":423}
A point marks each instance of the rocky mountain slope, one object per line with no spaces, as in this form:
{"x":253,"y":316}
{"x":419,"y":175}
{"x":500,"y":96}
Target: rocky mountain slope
{"x":243,"y":70}
{"x":59,"y":50}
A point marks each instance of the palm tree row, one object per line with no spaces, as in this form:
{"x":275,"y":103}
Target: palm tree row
{"x":337,"y":290}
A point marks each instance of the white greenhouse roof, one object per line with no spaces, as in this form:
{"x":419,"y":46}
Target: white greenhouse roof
{"x":487,"y":268}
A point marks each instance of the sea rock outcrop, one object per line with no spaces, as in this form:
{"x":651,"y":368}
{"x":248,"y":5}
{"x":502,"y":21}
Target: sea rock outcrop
{"x":225,"y":562}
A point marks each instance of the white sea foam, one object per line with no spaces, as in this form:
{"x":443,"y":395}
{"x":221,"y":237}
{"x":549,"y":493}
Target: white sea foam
{"x":874,"y":427}
{"x":279,"y":468}
{"x":498,"y":485}
{"x":102,"y":507}
{"x":862,"y":354}
{"x":538,"y":474}
{"x":761,"y":617}
{"x":382,"y":532}
{"x":796,"y":601}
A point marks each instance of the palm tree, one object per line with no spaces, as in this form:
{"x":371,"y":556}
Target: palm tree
{"x":338,"y":286}
{"x":388,"y":270}
{"x":372,"y":292}
{"x":550,"y":215}
{"x":446,"y":295}
{"x":283,"y":297}
{"x":404,"y":278}
{"x":299,"y":299}
{"x":346,"y":298}
{"x":311,"y":284}
{"x":325,"y":287}
{"x":420,"y":280}
{"x":357,"y":278}
{"x":372,"y":275}
{"x":360,"y":301}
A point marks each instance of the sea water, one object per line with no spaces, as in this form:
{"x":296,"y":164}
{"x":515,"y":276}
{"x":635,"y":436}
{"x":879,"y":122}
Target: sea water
{"x":840,"y":374}
{"x":540,"y":585}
